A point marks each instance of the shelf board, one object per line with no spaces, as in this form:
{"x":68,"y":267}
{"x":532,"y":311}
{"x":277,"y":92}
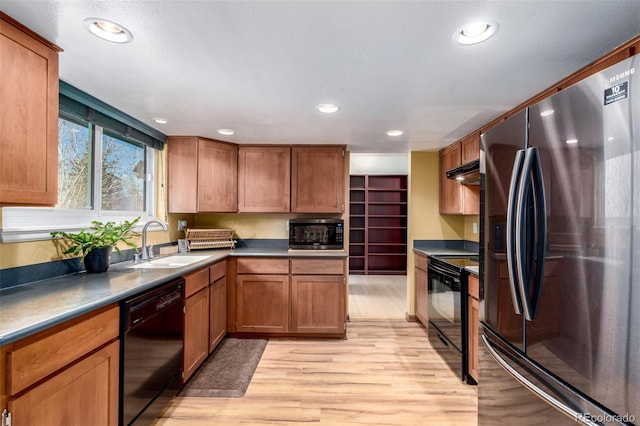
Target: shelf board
{"x":385,"y":227}
{"x":387,"y":203}
{"x":386,"y":189}
{"x":387,"y":254}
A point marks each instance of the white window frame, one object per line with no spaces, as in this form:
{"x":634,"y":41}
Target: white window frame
{"x":21,"y":224}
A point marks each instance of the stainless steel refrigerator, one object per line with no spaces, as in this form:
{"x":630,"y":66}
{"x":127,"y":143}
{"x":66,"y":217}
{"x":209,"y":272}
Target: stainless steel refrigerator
{"x":560,"y":258}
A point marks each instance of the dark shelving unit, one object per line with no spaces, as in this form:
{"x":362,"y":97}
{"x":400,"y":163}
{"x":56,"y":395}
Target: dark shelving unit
{"x":378,"y":224}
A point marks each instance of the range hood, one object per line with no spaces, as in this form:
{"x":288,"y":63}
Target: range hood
{"x":467,"y":174}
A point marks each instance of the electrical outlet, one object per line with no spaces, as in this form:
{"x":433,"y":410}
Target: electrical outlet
{"x":182,"y":224}
{"x":475,"y":227}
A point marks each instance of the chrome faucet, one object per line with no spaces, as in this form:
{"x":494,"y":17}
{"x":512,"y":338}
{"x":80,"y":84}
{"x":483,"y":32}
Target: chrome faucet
{"x":145,"y":254}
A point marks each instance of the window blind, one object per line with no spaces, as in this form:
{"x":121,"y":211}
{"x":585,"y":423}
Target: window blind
{"x":74,"y":103}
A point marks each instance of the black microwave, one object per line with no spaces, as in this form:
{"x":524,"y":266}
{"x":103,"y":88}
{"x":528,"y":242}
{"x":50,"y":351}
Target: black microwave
{"x":316,"y":234}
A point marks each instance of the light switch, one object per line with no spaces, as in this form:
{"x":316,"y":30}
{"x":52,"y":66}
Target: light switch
{"x":475,"y":227}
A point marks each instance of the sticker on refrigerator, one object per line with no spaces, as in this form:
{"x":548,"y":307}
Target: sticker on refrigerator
{"x":616,"y":93}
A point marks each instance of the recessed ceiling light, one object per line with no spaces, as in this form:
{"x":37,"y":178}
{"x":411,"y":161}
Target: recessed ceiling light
{"x":546,"y":113}
{"x":108,"y":30}
{"x":475,"y":32}
{"x":226,"y":132}
{"x":160,"y":120}
{"x":572,"y":141}
{"x":328,"y":108}
{"x":394,"y":132}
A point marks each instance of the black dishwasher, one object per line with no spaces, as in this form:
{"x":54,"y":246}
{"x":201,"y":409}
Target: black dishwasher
{"x":151,"y":347}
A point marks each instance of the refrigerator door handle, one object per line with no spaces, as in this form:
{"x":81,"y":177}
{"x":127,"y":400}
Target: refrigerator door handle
{"x":541,"y":228}
{"x":549,"y":399}
{"x":530,"y":280}
{"x":512,"y":209}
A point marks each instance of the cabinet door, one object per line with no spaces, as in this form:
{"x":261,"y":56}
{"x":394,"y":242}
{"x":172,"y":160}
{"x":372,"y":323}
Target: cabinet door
{"x":470,"y":148}
{"x":86,"y":393}
{"x":217,"y":176}
{"x":318,"y":304}
{"x":196,"y":332}
{"x":421,"y":296}
{"x":470,"y":199}
{"x":217,"y":312}
{"x":262,"y":303}
{"x":264,"y":179}
{"x":182,"y":176}
{"x":473,"y":338}
{"x":474,"y":311}
{"x":317,"y":179}
{"x":450,"y":190}
{"x":29,"y":119}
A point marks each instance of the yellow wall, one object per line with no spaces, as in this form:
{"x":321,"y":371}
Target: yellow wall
{"x":468,"y":228}
{"x":247,"y":225}
{"x":425,"y":221}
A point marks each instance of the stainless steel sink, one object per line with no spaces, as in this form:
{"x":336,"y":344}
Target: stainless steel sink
{"x":169,"y":262}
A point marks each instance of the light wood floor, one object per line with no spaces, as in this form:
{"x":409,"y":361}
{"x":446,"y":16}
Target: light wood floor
{"x":385,"y":373}
{"x":377,"y":296}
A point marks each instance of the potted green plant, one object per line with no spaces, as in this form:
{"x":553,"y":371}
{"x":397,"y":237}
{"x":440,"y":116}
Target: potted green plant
{"x":96,"y":244}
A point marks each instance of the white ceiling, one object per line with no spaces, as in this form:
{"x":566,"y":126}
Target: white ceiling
{"x":261,"y":67}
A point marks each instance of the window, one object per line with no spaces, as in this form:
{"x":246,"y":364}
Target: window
{"x":106,"y":172}
{"x":98,"y":170}
{"x":75,"y":165}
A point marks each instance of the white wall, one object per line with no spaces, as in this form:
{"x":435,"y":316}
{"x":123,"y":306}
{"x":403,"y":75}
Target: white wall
{"x":379,"y":164}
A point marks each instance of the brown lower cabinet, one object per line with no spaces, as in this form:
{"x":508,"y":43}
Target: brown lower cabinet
{"x":262,"y":304}
{"x":204,"y":315}
{"x":66,"y":375}
{"x":421,"y":290}
{"x":298,"y":296}
{"x":317,"y":304}
{"x":217,"y":304}
{"x":474,"y":341}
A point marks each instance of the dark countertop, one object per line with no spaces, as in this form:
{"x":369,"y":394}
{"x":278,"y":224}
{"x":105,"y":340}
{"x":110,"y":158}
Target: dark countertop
{"x":33,"y":307}
{"x":451,"y":253}
{"x":445,"y":252}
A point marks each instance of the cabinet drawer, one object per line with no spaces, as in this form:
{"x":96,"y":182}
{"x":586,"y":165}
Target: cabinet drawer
{"x":420,"y":262}
{"x":254,"y":265}
{"x":196,"y":281}
{"x":317,"y":266}
{"x":217,"y":271}
{"x":45,"y":355}
{"x":474,"y":286}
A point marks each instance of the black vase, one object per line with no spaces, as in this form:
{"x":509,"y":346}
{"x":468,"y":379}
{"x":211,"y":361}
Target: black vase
{"x":97,"y":260}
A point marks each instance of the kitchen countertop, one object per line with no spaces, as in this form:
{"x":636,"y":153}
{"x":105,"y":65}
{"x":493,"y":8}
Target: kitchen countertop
{"x":33,"y":307}
{"x":445,"y":252}
{"x":451,"y":253}
{"x":473,"y":269}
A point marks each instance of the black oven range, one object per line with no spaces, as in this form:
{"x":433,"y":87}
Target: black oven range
{"x":448,"y":310}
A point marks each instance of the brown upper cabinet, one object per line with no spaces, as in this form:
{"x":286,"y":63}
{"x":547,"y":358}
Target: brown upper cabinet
{"x":202,"y":175}
{"x":29,"y":119}
{"x":456,"y":198}
{"x":470,"y":148}
{"x":264,"y":179}
{"x":211,"y":176}
{"x":317,"y":179}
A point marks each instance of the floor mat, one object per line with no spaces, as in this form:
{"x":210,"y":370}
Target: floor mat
{"x":228,"y":371}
